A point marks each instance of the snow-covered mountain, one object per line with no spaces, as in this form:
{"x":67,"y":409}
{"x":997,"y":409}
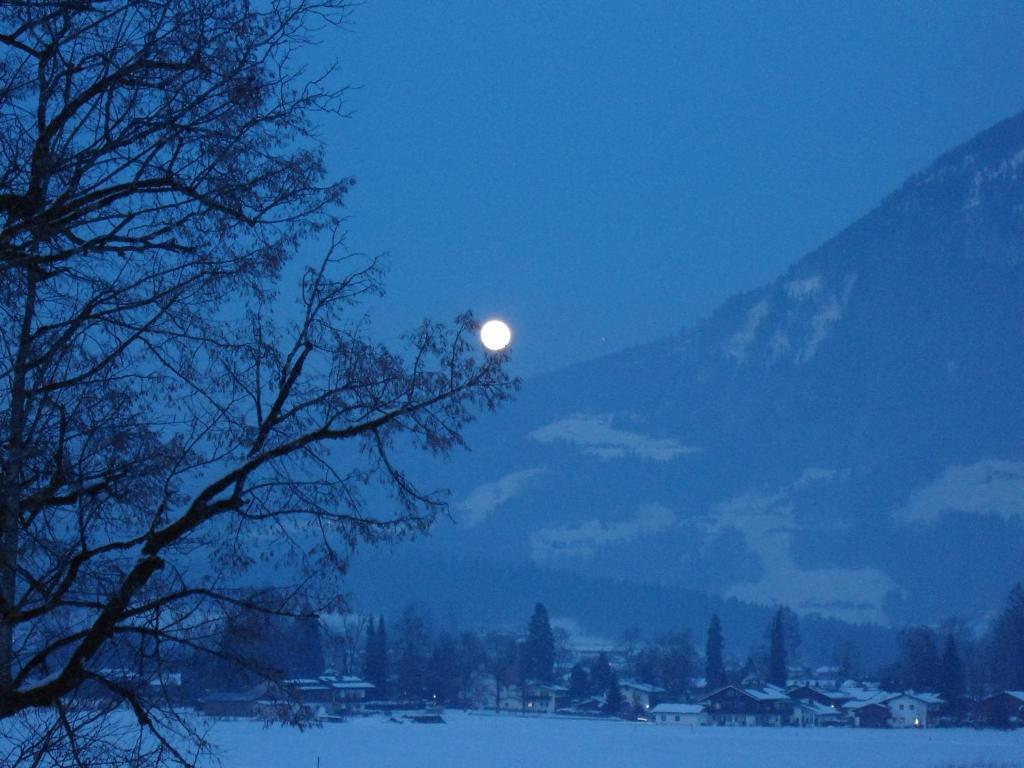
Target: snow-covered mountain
{"x":848,"y":439}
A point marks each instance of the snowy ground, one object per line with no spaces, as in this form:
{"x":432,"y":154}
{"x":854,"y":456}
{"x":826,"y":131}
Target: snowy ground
{"x":489,"y":741}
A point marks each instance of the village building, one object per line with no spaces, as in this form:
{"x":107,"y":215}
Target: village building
{"x":231,"y":703}
{"x":902,"y":710}
{"x":811,"y":714}
{"x":308,"y":691}
{"x":735,"y":705}
{"x":545,"y":697}
{"x":819,"y":695}
{"x":868,"y":714}
{"x":640,"y":696}
{"x":351,"y":692}
{"x":677,"y":714}
{"x":1003,"y":710}
{"x":913,"y":710}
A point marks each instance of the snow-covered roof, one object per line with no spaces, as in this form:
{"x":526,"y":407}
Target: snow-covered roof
{"x":835,"y":695}
{"x":861,"y":693}
{"x":677,"y":709}
{"x":880,"y":698}
{"x":353,"y":684}
{"x":643,"y":687}
{"x":767,"y":693}
{"x":552,"y":687}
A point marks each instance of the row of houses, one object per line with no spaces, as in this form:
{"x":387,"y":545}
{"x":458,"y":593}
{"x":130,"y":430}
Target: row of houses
{"x":804,"y":705}
{"x":855,"y":706}
{"x":321,"y":697}
{"x":801,"y":705}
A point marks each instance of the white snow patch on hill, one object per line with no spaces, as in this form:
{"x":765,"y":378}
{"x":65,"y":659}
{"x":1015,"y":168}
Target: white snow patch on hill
{"x":486,"y":498}
{"x":989,"y":487}
{"x":767,"y":522}
{"x":739,"y":342}
{"x":595,"y":434}
{"x":585,"y":540}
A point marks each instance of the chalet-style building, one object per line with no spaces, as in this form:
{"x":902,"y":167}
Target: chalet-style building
{"x":904,"y":710}
{"x":351,"y":692}
{"x":677,"y":714}
{"x":818,"y":695}
{"x":734,"y":705}
{"x":640,"y":696}
{"x":868,"y":714}
{"x":1003,"y":710}
{"x":231,"y":703}
{"x":328,"y":691}
{"x":545,"y":697}
{"x":308,"y":691}
{"x":811,"y":714}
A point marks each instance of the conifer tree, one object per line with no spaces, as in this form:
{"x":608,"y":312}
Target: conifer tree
{"x":306,"y":654}
{"x":613,"y":696}
{"x":919,"y":659}
{"x":579,"y":682}
{"x":1008,"y":643}
{"x":951,"y":673}
{"x":539,"y":652}
{"x":412,"y":650}
{"x":714,"y":665}
{"x":777,"y":671}
{"x":368,"y":651}
{"x":375,"y":667}
{"x":600,"y":674}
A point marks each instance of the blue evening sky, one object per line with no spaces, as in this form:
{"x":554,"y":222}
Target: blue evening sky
{"x":601,"y":174}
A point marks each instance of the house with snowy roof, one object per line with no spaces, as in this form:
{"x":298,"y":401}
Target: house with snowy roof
{"x":642,"y":696}
{"x":545,"y":697}
{"x":824,"y":696}
{"x":736,"y":705}
{"x":351,"y":692}
{"x":868,"y":713}
{"x":904,"y":710}
{"x":811,"y":714}
{"x":1004,"y":709}
{"x":677,"y":714}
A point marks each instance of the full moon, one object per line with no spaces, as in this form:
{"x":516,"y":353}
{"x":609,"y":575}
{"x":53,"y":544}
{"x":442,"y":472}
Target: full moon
{"x":495,"y":335}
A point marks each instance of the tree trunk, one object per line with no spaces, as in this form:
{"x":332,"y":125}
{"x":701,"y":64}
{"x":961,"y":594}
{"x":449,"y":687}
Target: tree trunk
{"x":10,"y":488}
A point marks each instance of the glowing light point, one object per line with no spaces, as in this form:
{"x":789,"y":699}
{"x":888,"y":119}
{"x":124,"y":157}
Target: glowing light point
{"x":495,"y":335}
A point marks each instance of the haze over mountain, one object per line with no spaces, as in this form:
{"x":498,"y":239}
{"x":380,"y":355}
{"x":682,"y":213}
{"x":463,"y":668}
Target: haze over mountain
{"x":848,"y":440}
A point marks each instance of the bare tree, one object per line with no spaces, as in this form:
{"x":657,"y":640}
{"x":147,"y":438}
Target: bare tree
{"x":169,"y":420}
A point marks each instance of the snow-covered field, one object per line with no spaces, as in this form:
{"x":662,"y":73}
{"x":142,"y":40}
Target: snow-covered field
{"x":489,"y":741}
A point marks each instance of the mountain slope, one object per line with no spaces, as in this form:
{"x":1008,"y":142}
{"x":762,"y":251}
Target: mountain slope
{"x":848,"y":439}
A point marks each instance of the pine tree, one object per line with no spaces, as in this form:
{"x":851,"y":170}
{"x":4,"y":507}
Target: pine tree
{"x":579,"y":682}
{"x":412,"y":642}
{"x":600,"y":674}
{"x":714,"y":665}
{"x":777,"y":671}
{"x":369,"y":653}
{"x":441,"y":675}
{"x":919,"y":659}
{"x":613,"y":696}
{"x":1008,"y":642}
{"x":306,"y":654}
{"x":951,"y":673}
{"x":375,"y":665}
{"x":539,"y":652}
